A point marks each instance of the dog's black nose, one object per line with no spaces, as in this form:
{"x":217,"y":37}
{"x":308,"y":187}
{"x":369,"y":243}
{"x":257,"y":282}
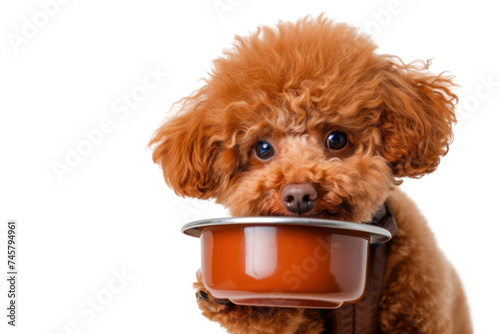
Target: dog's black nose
{"x":299,"y":198}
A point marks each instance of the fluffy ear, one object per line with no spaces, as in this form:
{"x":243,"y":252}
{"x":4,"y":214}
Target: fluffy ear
{"x":185,"y":147}
{"x":417,"y":117}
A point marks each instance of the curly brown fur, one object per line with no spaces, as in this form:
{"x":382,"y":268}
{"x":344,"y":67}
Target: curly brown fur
{"x":292,"y":86}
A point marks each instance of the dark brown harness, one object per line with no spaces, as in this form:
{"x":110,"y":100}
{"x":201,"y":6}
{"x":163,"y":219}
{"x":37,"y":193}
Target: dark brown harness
{"x":362,"y":316}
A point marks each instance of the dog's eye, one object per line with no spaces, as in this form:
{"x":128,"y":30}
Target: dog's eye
{"x":336,"y":140}
{"x":264,"y":150}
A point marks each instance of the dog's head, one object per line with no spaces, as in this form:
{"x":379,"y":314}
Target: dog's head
{"x":306,"y":119}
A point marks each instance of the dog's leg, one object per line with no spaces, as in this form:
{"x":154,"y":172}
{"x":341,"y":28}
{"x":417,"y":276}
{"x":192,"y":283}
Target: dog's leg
{"x":418,"y":309}
{"x":257,"y":320}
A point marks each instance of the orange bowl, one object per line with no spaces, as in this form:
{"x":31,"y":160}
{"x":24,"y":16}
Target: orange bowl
{"x":285,"y":261}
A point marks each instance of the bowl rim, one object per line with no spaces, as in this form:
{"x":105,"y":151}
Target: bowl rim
{"x":378,"y":234}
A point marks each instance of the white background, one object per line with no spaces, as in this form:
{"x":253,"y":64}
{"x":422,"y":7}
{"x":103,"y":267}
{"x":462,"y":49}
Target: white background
{"x":113,"y":212}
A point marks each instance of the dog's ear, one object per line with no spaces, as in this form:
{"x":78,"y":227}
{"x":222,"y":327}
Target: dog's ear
{"x":186,"y":146}
{"x":417,"y":117}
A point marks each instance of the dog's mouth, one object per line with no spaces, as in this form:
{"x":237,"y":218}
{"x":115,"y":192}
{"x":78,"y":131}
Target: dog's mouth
{"x":342,"y":212}
{"x":340,"y":215}
{"x":322,"y":215}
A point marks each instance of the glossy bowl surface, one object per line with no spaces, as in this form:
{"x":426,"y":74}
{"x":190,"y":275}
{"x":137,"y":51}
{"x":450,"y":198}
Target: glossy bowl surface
{"x":285,"y":262}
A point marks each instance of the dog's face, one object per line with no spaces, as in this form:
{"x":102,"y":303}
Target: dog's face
{"x":306,"y":120}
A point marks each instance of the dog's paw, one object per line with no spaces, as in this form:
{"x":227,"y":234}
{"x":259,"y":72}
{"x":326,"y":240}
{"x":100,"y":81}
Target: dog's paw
{"x":256,"y":319}
{"x":213,"y":305}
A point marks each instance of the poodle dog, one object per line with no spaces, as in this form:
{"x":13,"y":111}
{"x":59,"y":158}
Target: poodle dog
{"x":306,"y":119}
